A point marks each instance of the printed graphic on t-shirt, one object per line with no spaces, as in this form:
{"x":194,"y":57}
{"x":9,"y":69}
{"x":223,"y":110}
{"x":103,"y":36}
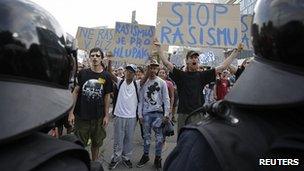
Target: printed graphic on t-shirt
{"x":93,"y":90}
{"x":152,"y":93}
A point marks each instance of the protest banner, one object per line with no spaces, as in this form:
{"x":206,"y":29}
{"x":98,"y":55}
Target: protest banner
{"x":212,"y":57}
{"x":246,"y":21}
{"x":198,"y":24}
{"x":88,"y":38}
{"x":132,"y":42}
{"x":178,"y":57}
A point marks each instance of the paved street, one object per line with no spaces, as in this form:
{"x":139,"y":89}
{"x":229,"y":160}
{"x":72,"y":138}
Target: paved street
{"x":107,"y":149}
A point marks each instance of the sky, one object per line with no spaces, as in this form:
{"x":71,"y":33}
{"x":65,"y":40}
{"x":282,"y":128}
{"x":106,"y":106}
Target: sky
{"x":93,"y":13}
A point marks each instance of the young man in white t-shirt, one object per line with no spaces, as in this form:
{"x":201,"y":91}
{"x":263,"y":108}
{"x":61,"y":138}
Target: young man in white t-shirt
{"x":125,"y":117}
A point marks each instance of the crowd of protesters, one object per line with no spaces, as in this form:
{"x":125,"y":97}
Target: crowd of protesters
{"x":149,"y":95}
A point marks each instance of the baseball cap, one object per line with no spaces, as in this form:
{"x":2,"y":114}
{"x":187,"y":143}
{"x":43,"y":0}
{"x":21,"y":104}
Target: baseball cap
{"x":131,"y":67}
{"x":153,"y":62}
{"x":191,"y":53}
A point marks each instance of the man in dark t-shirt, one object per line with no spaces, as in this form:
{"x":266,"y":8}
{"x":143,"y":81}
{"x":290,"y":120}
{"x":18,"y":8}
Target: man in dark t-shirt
{"x":190,"y":83}
{"x":93,"y":87}
{"x":92,"y":95}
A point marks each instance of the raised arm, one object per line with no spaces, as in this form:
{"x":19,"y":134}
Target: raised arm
{"x":113,"y":77}
{"x":166,"y":62}
{"x":232,"y":69}
{"x":229,"y":60}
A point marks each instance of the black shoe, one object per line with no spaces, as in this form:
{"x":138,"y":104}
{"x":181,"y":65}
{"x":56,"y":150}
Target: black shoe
{"x":127,"y":163}
{"x":144,"y":159}
{"x":158,"y":162}
{"x":113,"y":164}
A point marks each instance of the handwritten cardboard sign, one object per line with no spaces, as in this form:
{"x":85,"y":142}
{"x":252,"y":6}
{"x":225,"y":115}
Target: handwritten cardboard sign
{"x":246,"y":21}
{"x":198,"y":24}
{"x":88,"y":38}
{"x":133,"y":42}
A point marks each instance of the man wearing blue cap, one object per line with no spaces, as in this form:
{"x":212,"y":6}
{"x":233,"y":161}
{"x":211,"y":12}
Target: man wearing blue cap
{"x":125,"y":112}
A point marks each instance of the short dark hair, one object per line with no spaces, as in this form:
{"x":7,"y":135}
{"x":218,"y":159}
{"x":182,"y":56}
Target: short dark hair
{"x":96,"y":49}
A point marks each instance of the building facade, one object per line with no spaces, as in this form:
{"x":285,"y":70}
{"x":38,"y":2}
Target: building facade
{"x":246,"y":6}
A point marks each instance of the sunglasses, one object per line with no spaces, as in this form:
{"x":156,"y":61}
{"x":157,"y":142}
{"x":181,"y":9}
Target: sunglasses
{"x":95,"y":55}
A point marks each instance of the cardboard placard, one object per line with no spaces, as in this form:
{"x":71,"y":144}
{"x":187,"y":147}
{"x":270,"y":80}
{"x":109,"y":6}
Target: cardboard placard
{"x":133,"y":42}
{"x":246,"y":21}
{"x":88,"y":38}
{"x":198,"y":24}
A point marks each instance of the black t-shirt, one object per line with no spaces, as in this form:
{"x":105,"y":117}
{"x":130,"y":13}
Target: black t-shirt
{"x":190,"y":86}
{"x":93,"y":87}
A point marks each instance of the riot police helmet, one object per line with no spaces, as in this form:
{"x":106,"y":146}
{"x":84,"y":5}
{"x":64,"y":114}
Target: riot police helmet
{"x":35,"y":69}
{"x":275,"y":78}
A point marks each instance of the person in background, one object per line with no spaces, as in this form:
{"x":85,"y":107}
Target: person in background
{"x":162,"y":73}
{"x":237,"y":71}
{"x":209,"y":93}
{"x":120,"y":72}
{"x":140,"y":73}
{"x":222,"y":86}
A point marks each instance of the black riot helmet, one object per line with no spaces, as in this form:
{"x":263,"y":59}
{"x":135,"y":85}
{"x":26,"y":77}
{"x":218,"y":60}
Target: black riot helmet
{"x":275,"y":78}
{"x":35,"y":68}
{"x":278,"y":31}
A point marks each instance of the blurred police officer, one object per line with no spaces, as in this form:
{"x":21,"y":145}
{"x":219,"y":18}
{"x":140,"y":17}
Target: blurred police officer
{"x":260,"y":125}
{"x":35,"y":68}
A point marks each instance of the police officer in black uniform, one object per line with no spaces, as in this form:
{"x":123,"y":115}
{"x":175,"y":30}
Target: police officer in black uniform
{"x":35,"y":69}
{"x":260,"y":124}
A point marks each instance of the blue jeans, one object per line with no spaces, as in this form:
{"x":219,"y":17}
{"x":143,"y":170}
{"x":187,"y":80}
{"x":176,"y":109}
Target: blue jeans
{"x":151,"y":121}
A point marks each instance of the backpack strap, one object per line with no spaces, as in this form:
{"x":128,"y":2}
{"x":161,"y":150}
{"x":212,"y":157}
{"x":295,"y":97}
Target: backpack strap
{"x":119,"y":85}
{"x":116,"y":95}
{"x":136,"y":89}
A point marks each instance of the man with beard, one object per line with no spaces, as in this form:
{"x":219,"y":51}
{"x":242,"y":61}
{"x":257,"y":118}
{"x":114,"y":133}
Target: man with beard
{"x":91,"y":103}
{"x":190,"y":83}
